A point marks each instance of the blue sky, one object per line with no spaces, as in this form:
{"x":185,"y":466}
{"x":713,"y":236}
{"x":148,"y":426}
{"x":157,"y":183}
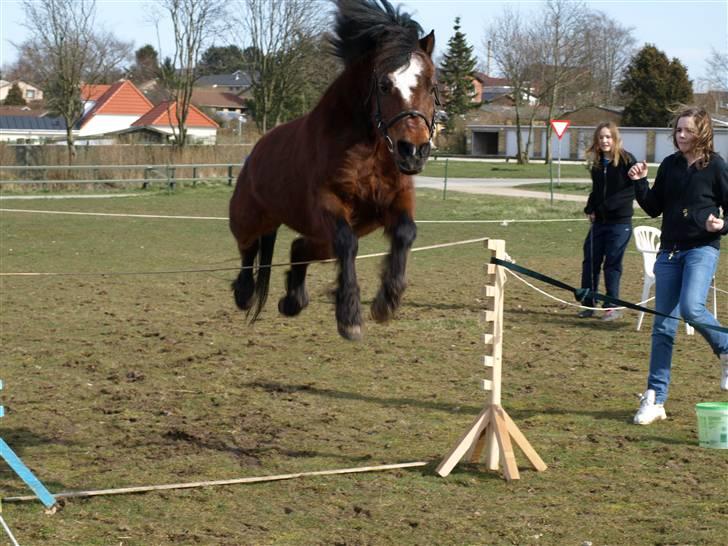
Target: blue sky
{"x":684,"y":29}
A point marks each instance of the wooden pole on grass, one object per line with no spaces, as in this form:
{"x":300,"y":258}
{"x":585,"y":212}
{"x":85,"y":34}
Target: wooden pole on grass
{"x":492,"y":430}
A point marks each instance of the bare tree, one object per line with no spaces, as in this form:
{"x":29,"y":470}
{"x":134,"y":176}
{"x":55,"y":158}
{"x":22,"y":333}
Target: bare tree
{"x":717,"y":73}
{"x":609,"y":48}
{"x":561,"y":53}
{"x":195,"y":24}
{"x":507,"y":39}
{"x":66,"y":50}
{"x":276,"y":32}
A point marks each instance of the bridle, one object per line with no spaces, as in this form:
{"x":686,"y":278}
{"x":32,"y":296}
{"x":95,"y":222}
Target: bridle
{"x":384,"y":125}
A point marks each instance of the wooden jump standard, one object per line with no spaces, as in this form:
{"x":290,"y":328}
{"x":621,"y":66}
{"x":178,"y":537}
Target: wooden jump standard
{"x":493,"y":429}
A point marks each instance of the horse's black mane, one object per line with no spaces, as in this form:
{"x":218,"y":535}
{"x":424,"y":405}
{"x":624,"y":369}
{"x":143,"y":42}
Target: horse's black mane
{"x":367,"y":27}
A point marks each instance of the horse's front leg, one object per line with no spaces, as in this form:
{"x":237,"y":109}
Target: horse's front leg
{"x":402,"y":235}
{"x":348,"y":308}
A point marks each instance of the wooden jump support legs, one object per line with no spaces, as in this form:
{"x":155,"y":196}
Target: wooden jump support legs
{"x":492,"y":430}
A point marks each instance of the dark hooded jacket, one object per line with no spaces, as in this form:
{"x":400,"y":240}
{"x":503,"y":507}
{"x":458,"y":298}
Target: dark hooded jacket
{"x":612,"y":196}
{"x":686,"y":196}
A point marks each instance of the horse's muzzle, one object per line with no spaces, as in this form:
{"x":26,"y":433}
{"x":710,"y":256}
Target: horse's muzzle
{"x":411,"y":159}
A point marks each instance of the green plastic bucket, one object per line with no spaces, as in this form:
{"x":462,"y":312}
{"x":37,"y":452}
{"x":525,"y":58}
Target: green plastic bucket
{"x":712,"y":424}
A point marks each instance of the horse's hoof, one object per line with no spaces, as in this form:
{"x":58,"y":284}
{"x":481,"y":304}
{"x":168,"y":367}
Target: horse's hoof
{"x":243,"y":295}
{"x":289,"y":306}
{"x":381,"y":312}
{"x":351,"y":332}
{"x":243,"y":302}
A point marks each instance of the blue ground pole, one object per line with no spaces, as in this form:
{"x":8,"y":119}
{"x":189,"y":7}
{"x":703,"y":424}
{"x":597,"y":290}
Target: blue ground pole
{"x":23,"y":471}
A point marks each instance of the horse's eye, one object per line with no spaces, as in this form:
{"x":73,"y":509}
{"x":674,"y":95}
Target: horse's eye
{"x":385,"y":86}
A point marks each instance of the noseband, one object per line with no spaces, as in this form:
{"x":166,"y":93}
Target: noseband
{"x":384,"y":125}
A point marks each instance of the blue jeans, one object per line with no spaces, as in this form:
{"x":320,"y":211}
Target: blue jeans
{"x":605,"y":243}
{"x":681,"y":286}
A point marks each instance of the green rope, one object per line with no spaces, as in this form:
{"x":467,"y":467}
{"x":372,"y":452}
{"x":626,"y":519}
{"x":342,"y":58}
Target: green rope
{"x":582,"y":294}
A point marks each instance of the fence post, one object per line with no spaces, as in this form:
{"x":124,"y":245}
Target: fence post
{"x":444,"y":187}
{"x":194,"y":176}
{"x":171,"y":182}
{"x":230,"y":175}
{"x":145,"y":184}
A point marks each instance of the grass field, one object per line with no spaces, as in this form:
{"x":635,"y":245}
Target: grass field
{"x":483,"y":169}
{"x":575,"y":188}
{"x":127,"y":380}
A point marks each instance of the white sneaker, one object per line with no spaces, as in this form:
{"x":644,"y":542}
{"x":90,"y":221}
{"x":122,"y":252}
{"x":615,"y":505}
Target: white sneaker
{"x":611,"y":314}
{"x":649,"y":412}
{"x":724,"y":372}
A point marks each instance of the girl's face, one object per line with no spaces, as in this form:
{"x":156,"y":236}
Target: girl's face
{"x":605,"y":140}
{"x":685,"y":134}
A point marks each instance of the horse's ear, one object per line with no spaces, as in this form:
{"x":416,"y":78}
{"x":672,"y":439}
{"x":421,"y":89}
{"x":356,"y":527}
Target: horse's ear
{"x":427,"y":44}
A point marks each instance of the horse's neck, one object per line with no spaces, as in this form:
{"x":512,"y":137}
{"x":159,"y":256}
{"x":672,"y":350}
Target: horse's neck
{"x":345,"y":105}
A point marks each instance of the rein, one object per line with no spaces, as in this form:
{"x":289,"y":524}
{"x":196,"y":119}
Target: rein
{"x":384,"y":126}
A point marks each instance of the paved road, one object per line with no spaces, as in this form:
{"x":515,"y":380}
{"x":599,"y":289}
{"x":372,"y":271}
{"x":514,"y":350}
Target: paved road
{"x":499,"y":186}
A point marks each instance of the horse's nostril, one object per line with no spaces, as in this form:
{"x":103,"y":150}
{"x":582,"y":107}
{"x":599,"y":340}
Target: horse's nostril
{"x":405,"y":149}
{"x":424,"y":150}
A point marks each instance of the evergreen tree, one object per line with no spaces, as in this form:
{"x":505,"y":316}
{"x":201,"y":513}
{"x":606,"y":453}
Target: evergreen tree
{"x":456,"y":74}
{"x":15,"y":96}
{"x":652,"y":87}
{"x":221,"y":60}
{"x":146,"y":66}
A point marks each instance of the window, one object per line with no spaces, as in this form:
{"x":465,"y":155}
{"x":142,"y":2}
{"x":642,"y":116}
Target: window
{"x":30,"y":94}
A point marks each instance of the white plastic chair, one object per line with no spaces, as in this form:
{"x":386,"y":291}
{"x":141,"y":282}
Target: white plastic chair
{"x":647,"y":240}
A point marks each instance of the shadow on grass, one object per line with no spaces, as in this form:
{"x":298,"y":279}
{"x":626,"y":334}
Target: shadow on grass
{"x":21,"y":438}
{"x":251,"y":456}
{"x":343,"y":395}
{"x":620,"y":416}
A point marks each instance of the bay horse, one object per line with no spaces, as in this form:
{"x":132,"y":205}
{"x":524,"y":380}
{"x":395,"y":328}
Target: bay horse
{"x":344,"y":169}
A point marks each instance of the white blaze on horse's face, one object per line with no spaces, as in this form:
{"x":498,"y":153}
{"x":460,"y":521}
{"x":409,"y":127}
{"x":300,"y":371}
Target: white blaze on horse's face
{"x":405,"y":79}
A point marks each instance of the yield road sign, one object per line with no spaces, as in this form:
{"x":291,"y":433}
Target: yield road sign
{"x":559,"y":126}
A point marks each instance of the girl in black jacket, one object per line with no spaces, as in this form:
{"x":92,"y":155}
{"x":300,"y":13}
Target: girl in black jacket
{"x":690,"y":189}
{"x":609,"y":209}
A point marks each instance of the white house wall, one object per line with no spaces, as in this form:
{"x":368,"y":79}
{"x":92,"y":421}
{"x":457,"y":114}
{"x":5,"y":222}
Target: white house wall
{"x":663,"y":145}
{"x":102,"y":124}
{"x":557,"y":150}
{"x":720,"y":143}
{"x":34,"y":136}
{"x":208,"y":135}
{"x":37,"y":94}
{"x":512,"y":145}
{"x":634,"y":140}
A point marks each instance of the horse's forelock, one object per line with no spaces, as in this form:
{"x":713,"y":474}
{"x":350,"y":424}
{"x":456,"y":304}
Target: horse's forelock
{"x":366,"y":26}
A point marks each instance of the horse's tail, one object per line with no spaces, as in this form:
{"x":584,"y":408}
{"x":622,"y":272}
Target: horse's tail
{"x":266,"y":245}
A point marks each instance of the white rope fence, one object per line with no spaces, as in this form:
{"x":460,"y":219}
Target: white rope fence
{"x":502,"y":222}
{"x":569,"y":303}
{"x":217,"y":269}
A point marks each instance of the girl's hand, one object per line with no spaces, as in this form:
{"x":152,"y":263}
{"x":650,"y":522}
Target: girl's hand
{"x":638,"y":171}
{"x":713,"y":224}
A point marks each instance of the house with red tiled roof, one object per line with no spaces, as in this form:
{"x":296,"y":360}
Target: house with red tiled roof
{"x":110,"y":108}
{"x":163,"y":117}
{"x":91,"y":93}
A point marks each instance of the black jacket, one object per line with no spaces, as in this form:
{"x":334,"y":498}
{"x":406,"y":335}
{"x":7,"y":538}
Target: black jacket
{"x":686,"y":196}
{"x":612,"y":192}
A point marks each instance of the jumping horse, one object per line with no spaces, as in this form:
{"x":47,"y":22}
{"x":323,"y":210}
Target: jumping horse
{"x":344,"y":169}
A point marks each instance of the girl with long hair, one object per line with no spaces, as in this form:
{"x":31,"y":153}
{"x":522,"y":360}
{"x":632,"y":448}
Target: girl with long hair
{"x":690,"y":189}
{"x":609,"y":209}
